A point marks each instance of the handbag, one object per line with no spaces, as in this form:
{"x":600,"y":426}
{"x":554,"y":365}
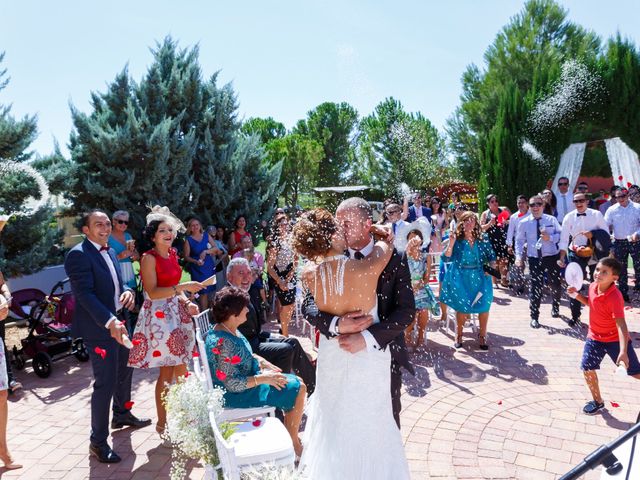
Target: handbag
{"x":492,"y":271}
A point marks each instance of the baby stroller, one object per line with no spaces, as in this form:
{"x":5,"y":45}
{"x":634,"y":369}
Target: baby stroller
{"x":49,"y":320}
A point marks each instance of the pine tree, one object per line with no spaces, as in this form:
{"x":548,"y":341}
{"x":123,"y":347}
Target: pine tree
{"x":173,"y":139}
{"x":30,"y":240}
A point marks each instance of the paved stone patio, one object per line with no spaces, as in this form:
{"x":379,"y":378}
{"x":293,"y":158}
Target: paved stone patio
{"x":511,"y":412}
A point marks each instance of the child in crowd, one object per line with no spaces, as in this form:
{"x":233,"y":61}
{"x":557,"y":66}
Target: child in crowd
{"x":608,"y":334}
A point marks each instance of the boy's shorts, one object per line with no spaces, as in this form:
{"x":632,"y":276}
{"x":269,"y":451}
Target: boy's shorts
{"x":594,"y":353}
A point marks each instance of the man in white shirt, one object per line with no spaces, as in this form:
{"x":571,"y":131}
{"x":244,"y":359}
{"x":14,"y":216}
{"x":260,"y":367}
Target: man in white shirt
{"x":577,"y":227}
{"x":612,"y":200}
{"x":624,"y":220}
{"x":516,"y":274}
{"x":565,"y":199}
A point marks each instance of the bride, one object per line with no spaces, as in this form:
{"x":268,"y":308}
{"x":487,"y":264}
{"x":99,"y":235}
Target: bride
{"x":350,"y":431}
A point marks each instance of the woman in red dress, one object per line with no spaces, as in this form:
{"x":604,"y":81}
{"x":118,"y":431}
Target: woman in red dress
{"x":164,"y":335}
{"x":239,"y":232}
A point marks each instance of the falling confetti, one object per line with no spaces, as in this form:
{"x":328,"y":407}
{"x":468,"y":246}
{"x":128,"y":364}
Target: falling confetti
{"x":156,"y":353}
{"x":257,"y":422}
{"x":614,"y":404}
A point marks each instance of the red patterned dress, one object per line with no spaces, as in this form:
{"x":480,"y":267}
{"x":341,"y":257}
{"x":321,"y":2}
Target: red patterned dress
{"x":164,"y":330}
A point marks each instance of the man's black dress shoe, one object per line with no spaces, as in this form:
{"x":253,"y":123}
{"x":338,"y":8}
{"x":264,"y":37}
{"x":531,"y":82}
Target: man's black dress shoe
{"x":534,"y":323}
{"x":555,"y":313}
{"x":129,"y":420}
{"x":104,"y":454}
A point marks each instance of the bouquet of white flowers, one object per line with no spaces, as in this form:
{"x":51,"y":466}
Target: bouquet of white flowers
{"x":188,"y":428}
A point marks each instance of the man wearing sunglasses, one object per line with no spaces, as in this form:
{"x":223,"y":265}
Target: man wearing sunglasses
{"x":565,"y":205}
{"x":541,"y":234}
{"x":578,"y":227}
{"x":624,"y":220}
{"x":583,"y":187}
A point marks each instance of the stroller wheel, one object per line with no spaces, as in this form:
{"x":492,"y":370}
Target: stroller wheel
{"x":42,"y":364}
{"x":80,"y":351}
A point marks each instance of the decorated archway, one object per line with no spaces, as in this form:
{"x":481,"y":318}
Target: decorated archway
{"x":625,"y":167}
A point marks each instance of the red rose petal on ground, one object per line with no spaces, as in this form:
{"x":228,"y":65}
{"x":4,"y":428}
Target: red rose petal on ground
{"x":221,"y":375}
{"x":614,"y":404}
{"x":159,"y":314}
{"x":257,"y":422}
{"x":156,"y":353}
{"x":235,"y":360}
{"x":620,"y":177}
{"x":195,"y":354}
{"x":128,"y":405}
{"x":499,"y":402}
{"x":215,"y":350}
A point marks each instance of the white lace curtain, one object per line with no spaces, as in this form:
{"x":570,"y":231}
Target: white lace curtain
{"x":570,"y":165}
{"x":624,"y":162}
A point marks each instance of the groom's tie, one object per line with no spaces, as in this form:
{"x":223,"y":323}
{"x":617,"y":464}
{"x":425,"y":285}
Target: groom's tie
{"x":358,"y":255}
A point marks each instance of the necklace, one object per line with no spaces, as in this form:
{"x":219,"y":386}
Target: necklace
{"x":227,"y":329}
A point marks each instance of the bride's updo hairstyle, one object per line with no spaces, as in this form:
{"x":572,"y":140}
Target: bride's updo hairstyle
{"x":313,"y":232}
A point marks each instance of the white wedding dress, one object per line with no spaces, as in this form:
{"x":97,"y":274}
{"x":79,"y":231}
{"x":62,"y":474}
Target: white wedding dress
{"x":350,"y":432}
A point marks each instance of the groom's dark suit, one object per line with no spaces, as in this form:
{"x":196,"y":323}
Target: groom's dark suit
{"x":396,"y":310}
{"x":94,"y":291}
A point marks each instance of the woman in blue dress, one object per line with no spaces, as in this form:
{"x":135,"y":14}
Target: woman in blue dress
{"x":123,"y":244}
{"x":248,"y":379}
{"x":466,"y":288}
{"x":199,"y":252}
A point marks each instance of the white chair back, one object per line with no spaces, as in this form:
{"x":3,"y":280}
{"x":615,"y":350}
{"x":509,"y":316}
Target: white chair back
{"x":202,"y":328}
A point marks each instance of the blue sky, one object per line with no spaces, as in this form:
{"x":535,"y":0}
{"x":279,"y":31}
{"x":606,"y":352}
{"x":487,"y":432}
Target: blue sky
{"x":284,"y":57}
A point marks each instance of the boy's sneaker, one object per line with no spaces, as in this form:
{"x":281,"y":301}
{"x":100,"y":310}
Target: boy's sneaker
{"x":592,"y":407}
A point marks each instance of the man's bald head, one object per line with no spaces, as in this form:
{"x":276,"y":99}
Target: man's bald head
{"x":358,"y":206}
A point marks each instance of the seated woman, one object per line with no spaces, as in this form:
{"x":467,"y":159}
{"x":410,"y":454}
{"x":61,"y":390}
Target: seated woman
{"x":249,"y":380}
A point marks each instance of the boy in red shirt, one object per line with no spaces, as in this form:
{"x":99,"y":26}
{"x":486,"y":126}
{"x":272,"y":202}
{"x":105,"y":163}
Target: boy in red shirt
{"x":608,"y":334}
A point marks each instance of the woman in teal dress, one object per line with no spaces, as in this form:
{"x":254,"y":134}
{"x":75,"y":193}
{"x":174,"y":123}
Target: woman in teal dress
{"x":248,"y":379}
{"x":123,"y":244}
{"x":465,"y":287}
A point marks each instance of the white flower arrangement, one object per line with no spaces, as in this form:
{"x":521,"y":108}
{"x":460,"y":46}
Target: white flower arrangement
{"x":272,"y":472}
{"x":188,"y":428}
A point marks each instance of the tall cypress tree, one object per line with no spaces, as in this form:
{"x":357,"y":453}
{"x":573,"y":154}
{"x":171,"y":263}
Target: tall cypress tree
{"x":172,"y":139}
{"x":28,"y":241}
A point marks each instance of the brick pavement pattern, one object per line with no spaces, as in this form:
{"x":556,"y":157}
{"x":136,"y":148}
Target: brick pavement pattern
{"x":511,"y":412}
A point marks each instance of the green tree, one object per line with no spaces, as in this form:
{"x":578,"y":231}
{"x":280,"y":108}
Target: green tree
{"x":267,"y":129}
{"x":396,"y":146}
{"x":30,"y":240}
{"x":332,"y":125}
{"x":172,"y":139}
{"x":300,"y":157}
{"x":526,"y":56}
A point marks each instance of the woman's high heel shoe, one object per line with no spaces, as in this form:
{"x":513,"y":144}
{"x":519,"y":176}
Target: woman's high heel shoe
{"x":8,"y":462}
{"x":482,"y":340}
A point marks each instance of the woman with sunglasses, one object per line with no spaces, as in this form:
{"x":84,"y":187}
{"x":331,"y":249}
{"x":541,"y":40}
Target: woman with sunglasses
{"x":550,"y":203}
{"x":496,"y":230}
{"x":125,"y":247}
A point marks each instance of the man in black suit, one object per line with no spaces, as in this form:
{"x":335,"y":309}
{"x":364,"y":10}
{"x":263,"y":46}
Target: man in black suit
{"x":286,"y":353}
{"x":101,"y":296}
{"x":417,"y":210}
{"x":396,"y":305}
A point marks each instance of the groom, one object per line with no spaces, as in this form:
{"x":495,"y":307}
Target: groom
{"x":396,"y":305}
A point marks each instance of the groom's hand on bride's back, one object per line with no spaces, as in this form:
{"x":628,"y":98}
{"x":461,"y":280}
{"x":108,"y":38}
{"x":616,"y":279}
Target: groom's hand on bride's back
{"x":354,"y":322}
{"x":352,"y":342}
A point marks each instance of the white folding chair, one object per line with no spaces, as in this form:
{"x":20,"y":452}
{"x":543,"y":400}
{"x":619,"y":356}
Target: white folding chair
{"x":203,"y":372}
{"x":253,"y":445}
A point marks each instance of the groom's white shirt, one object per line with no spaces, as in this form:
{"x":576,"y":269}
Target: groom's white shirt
{"x":368,"y":338}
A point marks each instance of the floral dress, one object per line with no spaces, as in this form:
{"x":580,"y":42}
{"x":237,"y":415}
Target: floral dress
{"x":231,"y":361}
{"x":164,"y":334}
{"x":424,"y":297}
